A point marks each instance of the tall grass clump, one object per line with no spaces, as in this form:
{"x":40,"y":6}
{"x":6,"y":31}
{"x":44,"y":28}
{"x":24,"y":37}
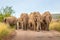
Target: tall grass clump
{"x":4,"y":30}
{"x":55,"y":26}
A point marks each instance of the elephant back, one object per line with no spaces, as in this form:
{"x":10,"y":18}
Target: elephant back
{"x":10,"y":20}
{"x":47,"y":14}
{"x":24,"y":16}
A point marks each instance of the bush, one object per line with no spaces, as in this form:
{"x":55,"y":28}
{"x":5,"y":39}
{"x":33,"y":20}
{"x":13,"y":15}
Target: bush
{"x":4,"y":30}
{"x":55,"y":26}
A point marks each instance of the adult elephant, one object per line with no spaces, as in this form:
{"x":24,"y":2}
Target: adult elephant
{"x":31,"y":22}
{"x":47,"y":17}
{"x":35,"y":21}
{"x":11,"y":20}
{"x":23,"y":21}
{"x":19,"y":23}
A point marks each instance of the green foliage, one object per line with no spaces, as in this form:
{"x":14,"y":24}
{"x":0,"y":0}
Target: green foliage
{"x":6,"y":12}
{"x":1,"y":16}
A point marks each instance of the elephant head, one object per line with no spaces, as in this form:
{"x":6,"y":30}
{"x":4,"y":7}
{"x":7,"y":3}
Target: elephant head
{"x":35,"y":20}
{"x":46,"y":20}
{"x":31,"y":22}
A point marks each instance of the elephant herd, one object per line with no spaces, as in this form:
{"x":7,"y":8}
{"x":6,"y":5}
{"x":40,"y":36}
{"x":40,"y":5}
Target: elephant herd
{"x":33,"y":21}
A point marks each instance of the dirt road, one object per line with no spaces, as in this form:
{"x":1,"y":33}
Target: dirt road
{"x":32,"y":35}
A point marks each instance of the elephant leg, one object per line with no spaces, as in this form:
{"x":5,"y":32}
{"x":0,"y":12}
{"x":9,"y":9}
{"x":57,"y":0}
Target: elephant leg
{"x":38,"y":27}
{"x":25,"y":26}
{"x":47,"y":27}
{"x":17,"y":26}
{"x":22,"y":25}
{"x":34,"y":27}
{"x":43,"y":26}
{"x":30,"y":26}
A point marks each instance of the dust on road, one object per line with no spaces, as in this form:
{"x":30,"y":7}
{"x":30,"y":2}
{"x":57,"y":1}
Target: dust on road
{"x":33,"y":35}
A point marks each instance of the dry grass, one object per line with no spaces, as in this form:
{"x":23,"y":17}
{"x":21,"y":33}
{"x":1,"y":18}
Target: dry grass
{"x":4,"y":30}
{"x":55,"y":26}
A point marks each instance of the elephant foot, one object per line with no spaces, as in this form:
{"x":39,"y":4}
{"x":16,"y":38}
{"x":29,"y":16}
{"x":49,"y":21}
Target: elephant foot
{"x":47,"y":30}
{"x":34,"y":29}
{"x":24,"y":29}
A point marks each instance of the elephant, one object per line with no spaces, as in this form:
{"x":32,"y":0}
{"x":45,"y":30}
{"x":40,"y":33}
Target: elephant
{"x":11,"y":20}
{"x":23,"y":21}
{"x":35,"y":21}
{"x":19,"y":23}
{"x":31,"y":23}
{"x":46,"y":18}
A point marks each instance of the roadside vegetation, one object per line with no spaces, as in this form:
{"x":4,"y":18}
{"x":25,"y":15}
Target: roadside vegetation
{"x":6,"y":32}
{"x":55,"y":25}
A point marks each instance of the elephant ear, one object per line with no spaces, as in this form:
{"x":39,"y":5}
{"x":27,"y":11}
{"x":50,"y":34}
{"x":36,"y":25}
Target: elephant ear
{"x":50,"y":18}
{"x":4,"y":20}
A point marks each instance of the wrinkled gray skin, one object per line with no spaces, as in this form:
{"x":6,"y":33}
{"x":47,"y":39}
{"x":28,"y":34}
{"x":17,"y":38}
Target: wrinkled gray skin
{"x":35,"y":21}
{"x":23,"y":21}
{"x":46,"y":17}
{"x":11,"y":21}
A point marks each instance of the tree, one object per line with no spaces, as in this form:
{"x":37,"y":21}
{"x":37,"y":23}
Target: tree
{"x":6,"y":12}
{"x":1,"y":16}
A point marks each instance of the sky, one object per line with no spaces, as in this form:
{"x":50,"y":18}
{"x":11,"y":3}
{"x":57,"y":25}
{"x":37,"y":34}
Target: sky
{"x":27,"y":6}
